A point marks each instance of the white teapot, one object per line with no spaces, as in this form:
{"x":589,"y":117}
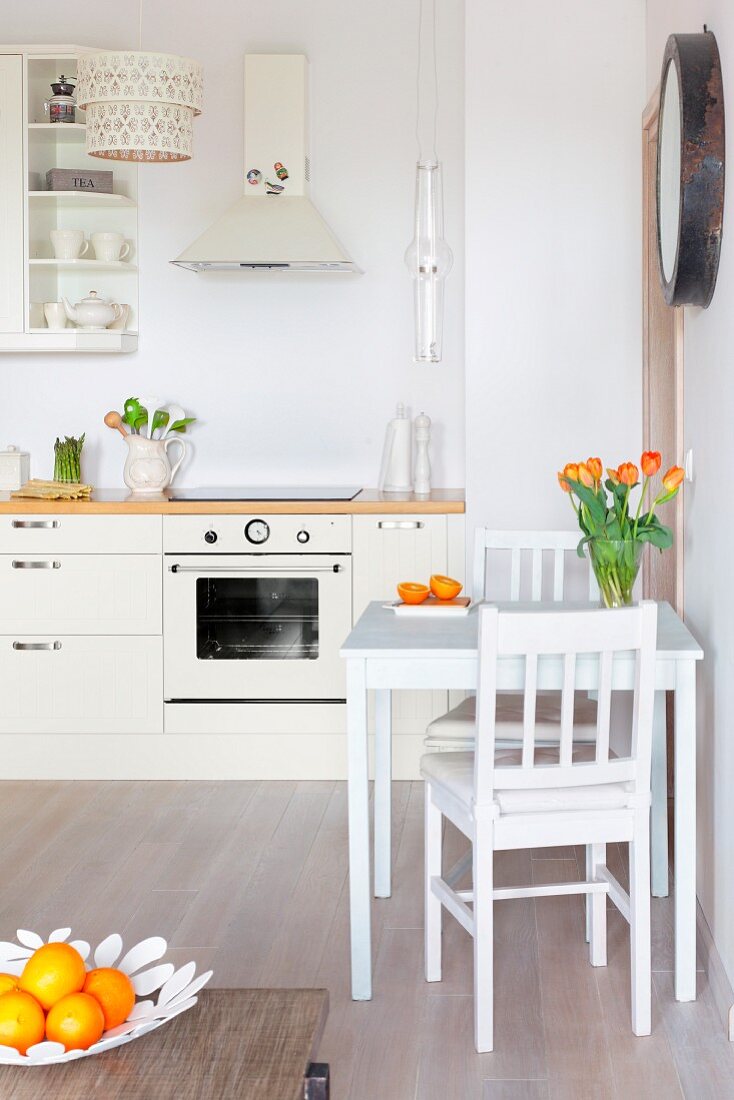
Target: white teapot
{"x":93,"y":314}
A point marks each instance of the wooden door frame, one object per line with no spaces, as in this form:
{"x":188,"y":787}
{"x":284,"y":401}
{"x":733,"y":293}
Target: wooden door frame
{"x":650,"y":134}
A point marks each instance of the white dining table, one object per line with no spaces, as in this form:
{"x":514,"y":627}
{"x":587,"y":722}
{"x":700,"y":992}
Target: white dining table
{"x":386,"y":651}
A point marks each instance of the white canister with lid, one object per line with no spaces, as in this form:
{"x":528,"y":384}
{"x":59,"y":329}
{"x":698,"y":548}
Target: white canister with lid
{"x":15,"y":467}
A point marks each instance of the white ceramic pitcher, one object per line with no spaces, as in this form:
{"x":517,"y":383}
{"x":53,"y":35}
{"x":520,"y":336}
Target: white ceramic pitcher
{"x":147,"y":467}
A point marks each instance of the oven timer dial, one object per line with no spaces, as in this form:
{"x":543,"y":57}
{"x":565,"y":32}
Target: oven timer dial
{"x":257,"y":531}
{"x":210,"y":537}
{"x":303,"y":536}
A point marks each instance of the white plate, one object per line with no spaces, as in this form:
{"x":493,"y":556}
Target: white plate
{"x":430,"y":612}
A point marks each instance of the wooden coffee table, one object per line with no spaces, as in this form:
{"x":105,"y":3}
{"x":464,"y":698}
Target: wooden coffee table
{"x":235,"y":1044}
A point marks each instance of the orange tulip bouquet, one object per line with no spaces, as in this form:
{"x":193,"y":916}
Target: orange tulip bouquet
{"x":614,"y":534}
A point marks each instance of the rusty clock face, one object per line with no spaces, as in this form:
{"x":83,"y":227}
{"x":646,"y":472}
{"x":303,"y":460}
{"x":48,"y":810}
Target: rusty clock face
{"x":690,"y":169}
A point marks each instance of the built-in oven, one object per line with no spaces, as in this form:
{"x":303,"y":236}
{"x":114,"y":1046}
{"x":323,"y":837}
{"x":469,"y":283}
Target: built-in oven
{"x":256,"y":608}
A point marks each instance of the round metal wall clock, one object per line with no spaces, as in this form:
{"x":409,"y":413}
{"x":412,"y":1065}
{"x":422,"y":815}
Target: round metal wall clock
{"x":690,"y":169}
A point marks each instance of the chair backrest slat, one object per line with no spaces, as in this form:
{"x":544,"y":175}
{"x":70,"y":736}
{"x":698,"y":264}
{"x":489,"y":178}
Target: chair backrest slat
{"x":582,"y":646}
{"x":558,"y":563}
{"x":604,"y":706}
{"x":567,"y":697}
{"x":528,"y":727}
{"x":515,"y":574}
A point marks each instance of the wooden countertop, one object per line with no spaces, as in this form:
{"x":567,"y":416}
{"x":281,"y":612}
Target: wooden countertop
{"x":122,"y":502}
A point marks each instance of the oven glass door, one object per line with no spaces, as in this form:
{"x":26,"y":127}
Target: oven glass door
{"x":257,"y":618}
{"x":255,"y":626}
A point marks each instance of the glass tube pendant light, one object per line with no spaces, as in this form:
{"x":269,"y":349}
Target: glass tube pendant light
{"x":428,"y":257}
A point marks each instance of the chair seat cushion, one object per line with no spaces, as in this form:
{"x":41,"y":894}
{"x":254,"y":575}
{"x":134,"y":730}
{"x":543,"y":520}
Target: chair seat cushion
{"x":458,"y":724}
{"x":454,"y":771}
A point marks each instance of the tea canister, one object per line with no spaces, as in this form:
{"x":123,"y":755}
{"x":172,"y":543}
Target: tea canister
{"x":15,"y":467}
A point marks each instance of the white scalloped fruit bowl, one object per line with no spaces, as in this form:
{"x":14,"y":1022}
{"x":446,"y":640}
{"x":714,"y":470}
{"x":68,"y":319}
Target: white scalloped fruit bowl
{"x":176,"y":989}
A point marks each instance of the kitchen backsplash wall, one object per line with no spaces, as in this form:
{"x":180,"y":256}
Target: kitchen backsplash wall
{"x":293,"y":377}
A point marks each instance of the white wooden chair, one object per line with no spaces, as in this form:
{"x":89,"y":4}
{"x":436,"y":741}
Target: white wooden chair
{"x":530,"y":797}
{"x":454,"y":730}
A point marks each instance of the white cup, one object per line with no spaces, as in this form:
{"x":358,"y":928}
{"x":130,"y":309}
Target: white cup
{"x":121,"y":321}
{"x":110,"y":246}
{"x":55,"y":314}
{"x":68,"y":244}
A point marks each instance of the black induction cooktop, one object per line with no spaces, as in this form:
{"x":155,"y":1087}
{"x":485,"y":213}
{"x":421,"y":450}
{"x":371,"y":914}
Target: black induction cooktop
{"x":277,"y":493}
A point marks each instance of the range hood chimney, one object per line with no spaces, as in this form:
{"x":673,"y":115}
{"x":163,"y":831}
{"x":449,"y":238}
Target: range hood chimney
{"x":274,"y":226}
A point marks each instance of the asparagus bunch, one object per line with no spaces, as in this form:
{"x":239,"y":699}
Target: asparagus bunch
{"x":67,"y":458}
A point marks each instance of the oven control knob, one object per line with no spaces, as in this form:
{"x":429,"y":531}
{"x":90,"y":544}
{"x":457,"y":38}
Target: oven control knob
{"x":303,"y":536}
{"x":211,"y":537}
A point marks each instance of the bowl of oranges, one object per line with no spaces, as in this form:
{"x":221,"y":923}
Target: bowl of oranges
{"x":60,"y":1001}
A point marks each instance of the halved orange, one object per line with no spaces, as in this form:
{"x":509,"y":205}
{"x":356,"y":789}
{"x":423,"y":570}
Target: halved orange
{"x":445,"y":588}
{"x":410,"y":592}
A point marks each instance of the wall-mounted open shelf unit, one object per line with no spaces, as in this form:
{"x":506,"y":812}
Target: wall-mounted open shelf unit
{"x":29,"y":274}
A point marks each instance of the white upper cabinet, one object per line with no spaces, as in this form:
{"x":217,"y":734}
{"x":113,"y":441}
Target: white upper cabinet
{"x":11,"y":193}
{"x":31,"y":274}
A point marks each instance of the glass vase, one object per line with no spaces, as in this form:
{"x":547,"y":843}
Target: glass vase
{"x":616,"y":565}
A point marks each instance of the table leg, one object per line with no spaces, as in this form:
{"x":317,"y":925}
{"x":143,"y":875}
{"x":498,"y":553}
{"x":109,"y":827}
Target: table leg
{"x":359,"y":831}
{"x":383,"y":791}
{"x":659,"y":813}
{"x":685,"y":831}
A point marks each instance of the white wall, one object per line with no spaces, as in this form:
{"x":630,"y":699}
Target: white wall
{"x":554,"y":94}
{"x":293,"y":377}
{"x":709,"y":400}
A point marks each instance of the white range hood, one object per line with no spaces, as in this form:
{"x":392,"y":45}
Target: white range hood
{"x":274,"y":226}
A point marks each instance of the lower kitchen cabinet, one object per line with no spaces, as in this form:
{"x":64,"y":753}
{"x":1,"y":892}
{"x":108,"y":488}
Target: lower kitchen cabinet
{"x":57,"y":593}
{"x":62,"y":684}
{"x":388,"y":549}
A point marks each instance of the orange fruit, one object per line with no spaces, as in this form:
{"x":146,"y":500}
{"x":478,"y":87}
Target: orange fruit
{"x":22,"y":1022}
{"x":52,"y":972}
{"x":8,"y":982}
{"x":115,"y":994}
{"x":412,"y":593}
{"x":77,"y":1021}
{"x":445,"y":588}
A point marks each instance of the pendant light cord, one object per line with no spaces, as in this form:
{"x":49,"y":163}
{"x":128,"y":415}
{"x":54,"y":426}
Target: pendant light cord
{"x":423,"y":23}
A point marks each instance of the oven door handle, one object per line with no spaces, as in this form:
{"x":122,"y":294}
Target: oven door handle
{"x":205,"y":570}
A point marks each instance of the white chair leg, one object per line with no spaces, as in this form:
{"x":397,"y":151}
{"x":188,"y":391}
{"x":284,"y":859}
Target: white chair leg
{"x":588,"y":896}
{"x":640,"y":934}
{"x":597,"y":908}
{"x":433,"y":907}
{"x":483,"y":936}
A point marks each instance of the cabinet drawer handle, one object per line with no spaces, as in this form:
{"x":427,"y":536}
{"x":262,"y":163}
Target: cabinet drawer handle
{"x":36,"y":645}
{"x":36,"y":564}
{"x":35,"y":523}
{"x":400,"y":524}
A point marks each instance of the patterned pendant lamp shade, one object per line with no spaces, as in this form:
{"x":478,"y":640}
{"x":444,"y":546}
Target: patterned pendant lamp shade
{"x":140,"y":106}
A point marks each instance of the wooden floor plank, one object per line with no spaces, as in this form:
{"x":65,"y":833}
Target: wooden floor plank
{"x":577,"y":1053}
{"x":703,"y":1055}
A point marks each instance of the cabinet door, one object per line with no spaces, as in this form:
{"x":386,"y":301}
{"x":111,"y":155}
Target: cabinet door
{"x":11,"y":193}
{"x":58,"y":684}
{"x":80,"y":594}
{"x":388,"y":549}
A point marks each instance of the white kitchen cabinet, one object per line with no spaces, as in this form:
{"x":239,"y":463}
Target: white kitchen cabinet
{"x":80,"y":594}
{"x":62,"y":533}
{"x":63,"y":684}
{"x":11,"y":193}
{"x":388,"y":549}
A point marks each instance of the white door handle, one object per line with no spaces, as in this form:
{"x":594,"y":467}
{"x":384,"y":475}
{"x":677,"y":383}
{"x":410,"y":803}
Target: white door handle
{"x":35,"y":523}
{"x":399,"y":524}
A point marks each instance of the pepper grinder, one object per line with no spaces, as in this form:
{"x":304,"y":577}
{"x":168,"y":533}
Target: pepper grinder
{"x":422,"y":469}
